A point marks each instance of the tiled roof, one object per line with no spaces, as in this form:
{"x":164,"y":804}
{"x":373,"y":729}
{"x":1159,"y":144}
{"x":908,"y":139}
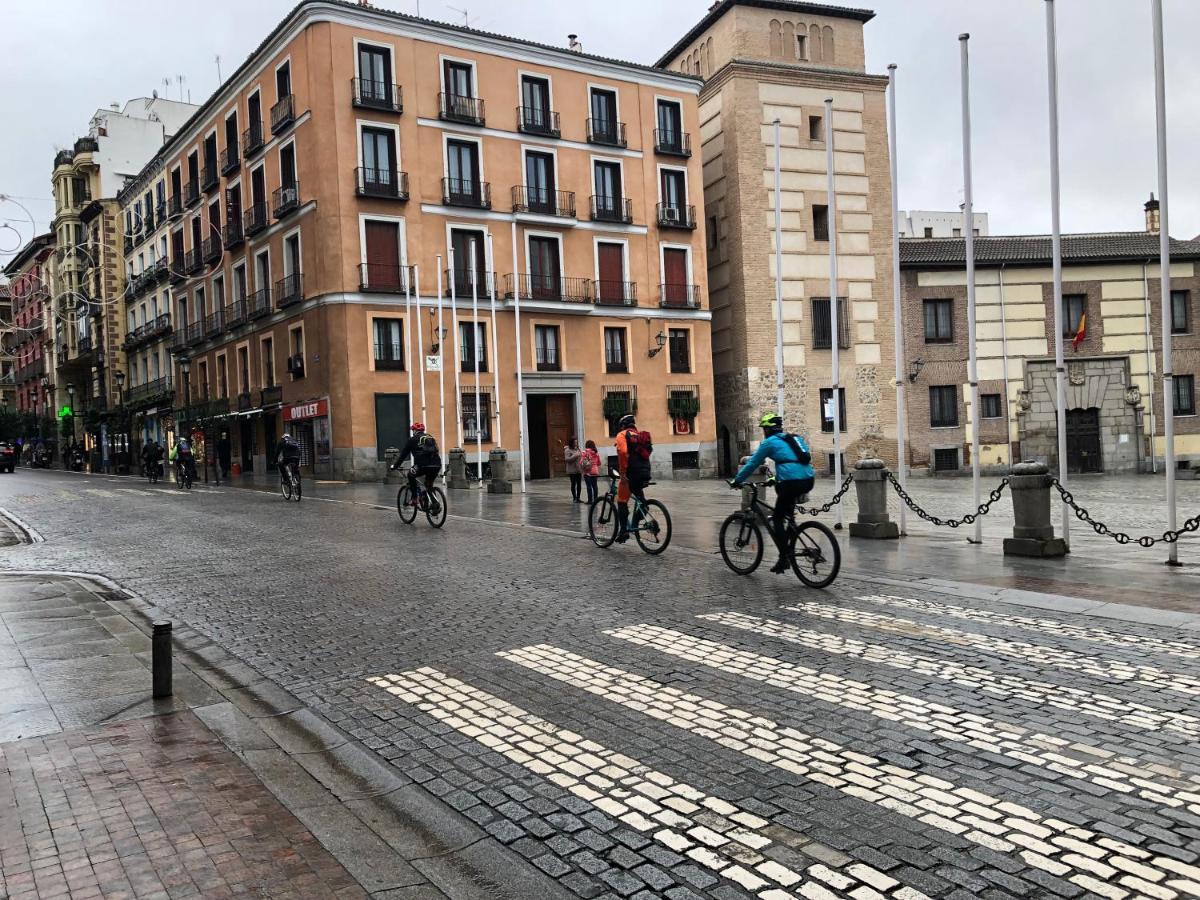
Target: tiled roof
{"x":1035,"y":249}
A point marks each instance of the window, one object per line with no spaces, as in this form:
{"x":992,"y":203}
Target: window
{"x":604,"y":116}
{"x":989,"y":406}
{"x":1180,"y":320}
{"x":615,"y":358}
{"x":823,"y":325}
{"x":244,"y":369}
{"x":975,"y":232}
{"x":711,"y":233}
{"x":670,"y":125}
{"x":539,"y":182}
{"x":379,"y":160}
{"x":473,"y":344}
{"x":283,"y":81}
{"x":827,"y":410}
{"x":673,"y":187}
{"x":218,"y":287}
{"x":1185,"y":395}
{"x":802,"y":46}
{"x":458,"y":80}
{"x":462,"y":168}
{"x":203,"y":379}
{"x":296,"y":356}
{"x":943,"y":406}
{"x":618,"y":402}
{"x":287,"y":166}
{"x":545,"y":340}
{"x":1074,"y":306}
{"x":945,"y":460}
{"x":607,"y":178}
{"x":939,"y":321}
{"x":928,"y":232}
{"x":956,"y":232}
{"x":389,"y":343}
{"x":816,"y":130}
{"x":820,"y":215}
{"x":535,"y":105}
{"x":268,"y":362}
{"x":375,"y":74}
{"x":477,"y":423}
{"x":222,"y":377}
{"x":239,"y":284}
{"x":679,"y":350}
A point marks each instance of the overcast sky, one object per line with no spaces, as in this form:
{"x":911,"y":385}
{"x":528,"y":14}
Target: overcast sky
{"x":64,"y":60}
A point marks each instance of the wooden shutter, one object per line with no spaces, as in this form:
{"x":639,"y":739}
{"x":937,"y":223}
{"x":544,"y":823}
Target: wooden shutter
{"x":383,"y":254}
{"x":611,"y":261}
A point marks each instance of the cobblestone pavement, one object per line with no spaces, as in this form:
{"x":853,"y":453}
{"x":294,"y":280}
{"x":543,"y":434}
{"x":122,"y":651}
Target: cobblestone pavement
{"x":658,"y":727}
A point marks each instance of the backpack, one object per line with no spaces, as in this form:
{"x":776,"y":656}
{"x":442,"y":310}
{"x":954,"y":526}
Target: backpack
{"x":639,"y":444}
{"x":427,"y":451}
{"x":589,"y":462}
{"x":802,"y":457}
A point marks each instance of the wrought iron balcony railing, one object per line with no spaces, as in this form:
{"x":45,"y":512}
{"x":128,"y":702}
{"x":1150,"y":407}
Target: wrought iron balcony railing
{"x":461,"y":192}
{"x":286,"y":199}
{"x":536,"y":120}
{"x":388,"y":184}
{"x":283,"y":113}
{"x":543,"y":201}
{"x":615,"y":293}
{"x":384,"y":278}
{"x":669,"y":142}
{"x":549,"y":287}
{"x":676,"y":215}
{"x":381,"y":95}
{"x":289,"y":290}
{"x":679,"y":296}
{"x":460,"y":108}
{"x":608,"y":132}
{"x":611,"y":209}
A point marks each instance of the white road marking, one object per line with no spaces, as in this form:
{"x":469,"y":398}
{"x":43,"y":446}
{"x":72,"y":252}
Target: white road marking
{"x":1034,"y":654}
{"x":1137,"y":642}
{"x":729,"y":840}
{"x":997,"y":684}
{"x":99,"y":492}
{"x":1051,"y":845}
{"x":935,"y":719}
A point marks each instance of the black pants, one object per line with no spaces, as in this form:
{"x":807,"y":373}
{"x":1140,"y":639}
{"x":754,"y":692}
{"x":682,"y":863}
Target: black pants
{"x":576,"y":485}
{"x":429,"y":473}
{"x":787,"y":493}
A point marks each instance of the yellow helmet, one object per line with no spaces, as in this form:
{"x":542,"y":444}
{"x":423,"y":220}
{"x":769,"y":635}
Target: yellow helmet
{"x":770,"y":420}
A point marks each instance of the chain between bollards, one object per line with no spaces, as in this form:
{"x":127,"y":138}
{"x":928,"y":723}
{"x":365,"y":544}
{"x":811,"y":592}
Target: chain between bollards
{"x":833,"y":501}
{"x":969,"y":519}
{"x":1168,"y":537}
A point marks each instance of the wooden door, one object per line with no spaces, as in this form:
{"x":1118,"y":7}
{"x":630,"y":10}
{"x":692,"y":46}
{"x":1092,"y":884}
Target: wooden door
{"x":675,"y":277}
{"x":612,"y":272}
{"x":560,"y":427}
{"x":383,"y":255}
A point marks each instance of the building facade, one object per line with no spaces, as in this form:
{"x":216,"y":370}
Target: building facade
{"x":1112,"y":332}
{"x":934,"y":224}
{"x":29,"y":283}
{"x":767,"y":60}
{"x":342,"y":214}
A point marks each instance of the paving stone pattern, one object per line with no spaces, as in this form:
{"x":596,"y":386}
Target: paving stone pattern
{"x":643,"y":728}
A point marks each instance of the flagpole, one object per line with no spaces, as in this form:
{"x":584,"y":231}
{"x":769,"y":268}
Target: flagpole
{"x":457,"y":344}
{"x":491,"y":267}
{"x":420,"y":344}
{"x":969,"y":233}
{"x":1164,"y":249}
{"x":835,"y":334}
{"x":408,"y":341}
{"x":441,"y":342}
{"x":1060,"y":369}
{"x":475,"y":353}
{"x":901,"y":422}
{"x":779,"y":374}
{"x":517,"y":329}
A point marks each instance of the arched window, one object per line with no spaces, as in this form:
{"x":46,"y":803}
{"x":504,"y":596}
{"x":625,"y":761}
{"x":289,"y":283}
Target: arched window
{"x":789,"y":39}
{"x":827,"y":43}
{"x":814,"y":43}
{"x":800,"y":47}
{"x":776,"y":46}
{"x":708,"y":62}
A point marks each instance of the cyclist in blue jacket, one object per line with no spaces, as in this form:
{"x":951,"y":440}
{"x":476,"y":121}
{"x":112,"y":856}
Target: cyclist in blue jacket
{"x":793,"y":476}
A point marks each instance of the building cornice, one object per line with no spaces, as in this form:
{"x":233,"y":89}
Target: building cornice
{"x":789,"y":73}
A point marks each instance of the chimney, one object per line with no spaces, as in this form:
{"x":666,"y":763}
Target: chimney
{"x":1153,"y":223}
{"x":573,"y":43}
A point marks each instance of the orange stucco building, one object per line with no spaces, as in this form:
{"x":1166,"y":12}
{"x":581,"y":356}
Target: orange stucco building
{"x":298,"y":240}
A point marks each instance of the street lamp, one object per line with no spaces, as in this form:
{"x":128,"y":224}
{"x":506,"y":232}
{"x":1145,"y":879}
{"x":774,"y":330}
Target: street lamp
{"x":71,"y":401}
{"x":45,"y":385}
{"x":119,"y":378}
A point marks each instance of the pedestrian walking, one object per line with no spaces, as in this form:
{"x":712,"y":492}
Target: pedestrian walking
{"x":571,"y":454}
{"x":589,"y":468}
{"x":224,"y":455}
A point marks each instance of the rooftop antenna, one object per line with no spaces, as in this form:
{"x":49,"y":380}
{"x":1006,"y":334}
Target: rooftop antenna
{"x":219,"y":78}
{"x":465,"y":14}
{"x":180,"y":80}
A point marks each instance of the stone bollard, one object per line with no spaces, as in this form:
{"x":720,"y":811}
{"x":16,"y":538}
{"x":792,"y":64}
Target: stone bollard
{"x":458,"y":470}
{"x":1033,"y":534}
{"x":499,"y":483}
{"x":391,"y":454}
{"x":870,"y":485}
{"x":160,"y":660}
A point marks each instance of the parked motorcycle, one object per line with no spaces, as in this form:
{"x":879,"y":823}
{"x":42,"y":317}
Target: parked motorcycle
{"x":77,"y":460}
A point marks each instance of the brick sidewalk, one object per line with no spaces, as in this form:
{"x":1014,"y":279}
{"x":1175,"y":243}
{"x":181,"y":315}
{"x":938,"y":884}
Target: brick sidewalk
{"x":155,"y":807}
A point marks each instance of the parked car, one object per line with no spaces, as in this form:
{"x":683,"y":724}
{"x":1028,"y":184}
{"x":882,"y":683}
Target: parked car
{"x":8,"y":457}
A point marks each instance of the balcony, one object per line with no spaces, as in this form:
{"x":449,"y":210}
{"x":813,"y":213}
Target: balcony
{"x":289,"y":290}
{"x":212,"y":249}
{"x":387,"y":184}
{"x":543,"y":202}
{"x":679,"y":296}
{"x":389,"y":356}
{"x":285,"y":199}
{"x":230,"y":159}
{"x":457,"y":108}
{"x":535,"y":120}
{"x":465,"y":282}
{"x":214,"y":323}
{"x":474,"y":194}
{"x":255,"y":218}
{"x":175,"y":206}
{"x":150,"y":392}
{"x":236,"y":313}
{"x":549,"y":287}
{"x":612,"y":209}
{"x":378,"y":95}
{"x":233,"y":234}
{"x":195,"y":333}
{"x":191,"y":193}
{"x":159,"y":270}
{"x":606,"y":132}
{"x":283,"y":113}
{"x":83,"y":346}
{"x":177,"y":269}
{"x":193,"y":261}
{"x":258,"y":304}
{"x":672,"y":143}
{"x":271,"y":396}
{"x":178,"y":340}
{"x":252,"y":139}
{"x":209,"y":178}
{"x":384,"y":278}
{"x":676,"y":215}
{"x":160,"y":211}
{"x":616,"y":293}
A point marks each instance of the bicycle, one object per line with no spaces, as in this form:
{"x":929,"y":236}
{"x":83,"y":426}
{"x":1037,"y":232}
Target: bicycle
{"x":153,"y":472}
{"x":811,"y":548}
{"x":649,"y":522}
{"x":290,"y":483}
{"x":183,"y":476}
{"x":432,"y":502}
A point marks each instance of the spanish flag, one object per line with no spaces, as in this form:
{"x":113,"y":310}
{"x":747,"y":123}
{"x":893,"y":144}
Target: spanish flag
{"x":1080,"y":332}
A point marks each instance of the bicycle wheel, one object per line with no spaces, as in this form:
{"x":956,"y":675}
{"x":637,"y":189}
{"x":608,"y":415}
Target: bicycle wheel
{"x":653,"y":528}
{"x":285,"y":486}
{"x":408,"y":512}
{"x":602,"y":522}
{"x":297,"y":488}
{"x":187,"y":481}
{"x":435,"y":508}
{"x":741,"y":543}
{"x":816,"y":555}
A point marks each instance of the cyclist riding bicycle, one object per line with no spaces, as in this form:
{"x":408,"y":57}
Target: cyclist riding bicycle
{"x":288,"y":455}
{"x":633,"y":462}
{"x":793,"y":476}
{"x":151,"y":457}
{"x":422,"y":448}
{"x":182,"y":456}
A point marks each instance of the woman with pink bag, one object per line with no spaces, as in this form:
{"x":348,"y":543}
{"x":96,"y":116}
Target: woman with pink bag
{"x":589,"y":468}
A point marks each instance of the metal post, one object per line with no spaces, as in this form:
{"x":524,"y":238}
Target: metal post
{"x":1150,"y":365}
{"x":1164,"y":251}
{"x":160,"y":659}
{"x":1060,"y":368}
{"x":517,"y":330}
{"x":1004,"y":361}
{"x":408,"y":343}
{"x":457,"y":344}
{"x":897,"y":315}
{"x":779,"y":375}
{"x":475,"y":353}
{"x":498,"y":438}
{"x":441,"y":341}
{"x":969,"y":233}
{"x":835,"y":333}
{"x":420,"y":344}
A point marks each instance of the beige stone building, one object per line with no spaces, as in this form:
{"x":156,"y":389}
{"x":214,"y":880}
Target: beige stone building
{"x":764,"y":60}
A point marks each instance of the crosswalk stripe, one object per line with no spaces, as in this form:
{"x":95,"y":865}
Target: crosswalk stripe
{"x":1054,"y":846}
{"x":936,"y":719}
{"x":997,"y":684}
{"x":727,"y":842}
{"x":1037,"y":654}
{"x":1122,"y":639}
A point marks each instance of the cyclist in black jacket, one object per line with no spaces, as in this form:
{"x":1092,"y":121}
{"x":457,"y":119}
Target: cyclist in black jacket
{"x":422,"y":448}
